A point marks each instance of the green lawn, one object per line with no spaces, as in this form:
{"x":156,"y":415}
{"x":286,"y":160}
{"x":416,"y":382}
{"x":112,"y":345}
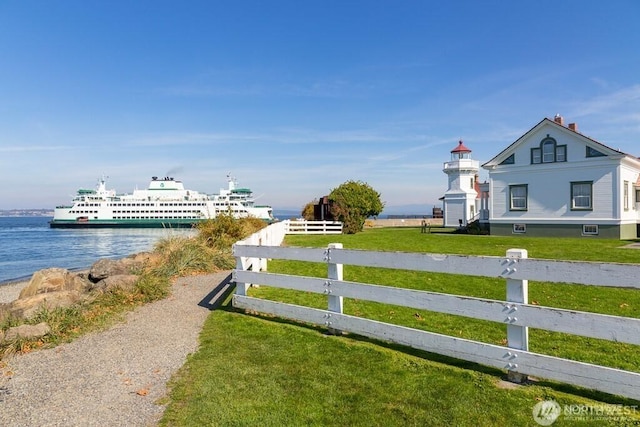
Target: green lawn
{"x":253,"y":370}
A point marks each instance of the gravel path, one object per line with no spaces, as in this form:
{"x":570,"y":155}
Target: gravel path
{"x":111,"y":378}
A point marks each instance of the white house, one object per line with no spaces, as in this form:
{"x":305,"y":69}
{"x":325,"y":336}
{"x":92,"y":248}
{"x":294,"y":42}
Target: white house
{"x":554,"y":181}
{"x":461,"y":198}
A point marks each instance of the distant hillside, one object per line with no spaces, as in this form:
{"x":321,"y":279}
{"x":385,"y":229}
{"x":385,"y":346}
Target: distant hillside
{"x":412,"y":210}
{"x":26,"y":212}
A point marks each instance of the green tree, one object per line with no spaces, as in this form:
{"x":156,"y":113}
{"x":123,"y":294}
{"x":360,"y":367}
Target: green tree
{"x":308,"y":211}
{"x":352,"y":203}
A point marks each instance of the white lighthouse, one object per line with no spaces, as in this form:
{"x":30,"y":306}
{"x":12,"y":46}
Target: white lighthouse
{"x":460,"y":199}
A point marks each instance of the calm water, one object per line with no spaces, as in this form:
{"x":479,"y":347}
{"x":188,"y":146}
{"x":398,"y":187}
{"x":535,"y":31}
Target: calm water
{"x":27,"y":244}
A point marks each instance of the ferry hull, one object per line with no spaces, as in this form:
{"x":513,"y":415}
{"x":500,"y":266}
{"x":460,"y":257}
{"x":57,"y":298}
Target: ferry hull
{"x":122,"y":224}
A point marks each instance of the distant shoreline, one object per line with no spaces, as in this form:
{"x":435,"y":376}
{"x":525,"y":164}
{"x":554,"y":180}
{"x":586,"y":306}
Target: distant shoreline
{"x":21,"y":213}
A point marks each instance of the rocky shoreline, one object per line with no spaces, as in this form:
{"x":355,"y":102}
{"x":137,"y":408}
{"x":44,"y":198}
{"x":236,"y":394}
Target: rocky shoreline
{"x":57,"y":288}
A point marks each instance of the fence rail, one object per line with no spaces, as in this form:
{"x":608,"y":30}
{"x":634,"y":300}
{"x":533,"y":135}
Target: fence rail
{"x":514,"y":312}
{"x":313,"y":227}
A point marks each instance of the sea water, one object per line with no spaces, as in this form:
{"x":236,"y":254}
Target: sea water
{"x":28,"y":244}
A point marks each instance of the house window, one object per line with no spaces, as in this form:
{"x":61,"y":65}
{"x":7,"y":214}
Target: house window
{"x":518,"y":197}
{"x":592,"y":152}
{"x":549,"y":152}
{"x":626,"y":195}
{"x":591,"y":229}
{"x":519,"y":228}
{"x":581,"y":195}
{"x":536,"y":155}
{"x":509,"y":160}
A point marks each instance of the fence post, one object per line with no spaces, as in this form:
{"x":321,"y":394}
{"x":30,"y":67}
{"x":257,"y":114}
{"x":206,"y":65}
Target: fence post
{"x":241,"y":288}
{"x":334,"y":272}
{"x":517,"y":336}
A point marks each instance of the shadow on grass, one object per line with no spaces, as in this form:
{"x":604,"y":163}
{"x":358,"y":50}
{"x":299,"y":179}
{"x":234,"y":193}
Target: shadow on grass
{"x":221,"y":298}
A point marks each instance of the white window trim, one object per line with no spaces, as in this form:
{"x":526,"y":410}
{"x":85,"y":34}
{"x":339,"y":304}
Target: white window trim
{"x":524,"y":197}
{"x":593,"y":232}
{"x":519,"y":228}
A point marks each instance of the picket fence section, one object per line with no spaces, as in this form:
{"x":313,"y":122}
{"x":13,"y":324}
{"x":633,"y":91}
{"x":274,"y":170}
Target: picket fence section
{"x":514,"y":312}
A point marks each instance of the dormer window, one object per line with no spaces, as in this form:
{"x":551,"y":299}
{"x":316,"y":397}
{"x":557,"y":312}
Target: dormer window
{"x":549,"y":152}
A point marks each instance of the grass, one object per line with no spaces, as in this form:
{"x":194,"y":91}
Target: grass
{"x":254,"y":370}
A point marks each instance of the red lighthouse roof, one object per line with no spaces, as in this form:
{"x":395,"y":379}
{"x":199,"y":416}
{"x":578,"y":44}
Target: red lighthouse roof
{"x":460,"y":148}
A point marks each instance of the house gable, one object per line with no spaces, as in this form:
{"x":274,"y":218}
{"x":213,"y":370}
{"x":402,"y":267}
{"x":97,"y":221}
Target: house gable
{"x":551,"y":142}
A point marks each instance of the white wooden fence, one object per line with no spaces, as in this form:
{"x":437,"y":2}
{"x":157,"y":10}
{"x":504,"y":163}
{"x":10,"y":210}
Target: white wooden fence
{"x":313,"y":227}
{"x":514,"y":312}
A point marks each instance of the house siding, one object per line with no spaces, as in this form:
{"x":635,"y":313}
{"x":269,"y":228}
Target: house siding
{"x":549,"y":193}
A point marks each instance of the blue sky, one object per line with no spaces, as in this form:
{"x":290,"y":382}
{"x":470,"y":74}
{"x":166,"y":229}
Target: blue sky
{"x":296,"y":97}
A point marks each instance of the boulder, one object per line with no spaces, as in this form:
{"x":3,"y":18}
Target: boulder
{"x":126,"y":282}
{"x":28,"y":306}
{"x":133,"y":264}
{"x":54,"y":280}
{"x":108,"y":267}
{"x":27,"y":331}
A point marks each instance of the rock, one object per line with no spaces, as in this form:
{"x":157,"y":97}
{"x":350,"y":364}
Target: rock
{"x":5,"y":311}
{"x":133,"y":264}
{"x":28,"y":306}
{"x":107,"y":267}
{"x":122,"y":281}
{"x":27,"y":331}
{"x":54,"y":280}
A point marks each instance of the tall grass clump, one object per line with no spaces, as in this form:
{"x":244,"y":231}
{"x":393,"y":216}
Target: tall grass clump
{"x":210,"y":250}
{"x":224,"y":230}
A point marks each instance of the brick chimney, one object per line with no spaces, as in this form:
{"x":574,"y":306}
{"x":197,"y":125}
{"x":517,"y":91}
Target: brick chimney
{"x":573,"y":127}
{"x":559,"y":119}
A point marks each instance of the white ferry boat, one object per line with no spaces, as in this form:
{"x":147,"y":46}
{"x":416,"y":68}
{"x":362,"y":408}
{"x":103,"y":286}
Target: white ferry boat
{"x":164,"y":204}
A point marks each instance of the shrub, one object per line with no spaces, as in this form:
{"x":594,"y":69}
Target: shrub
{"x":352,"y":203}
